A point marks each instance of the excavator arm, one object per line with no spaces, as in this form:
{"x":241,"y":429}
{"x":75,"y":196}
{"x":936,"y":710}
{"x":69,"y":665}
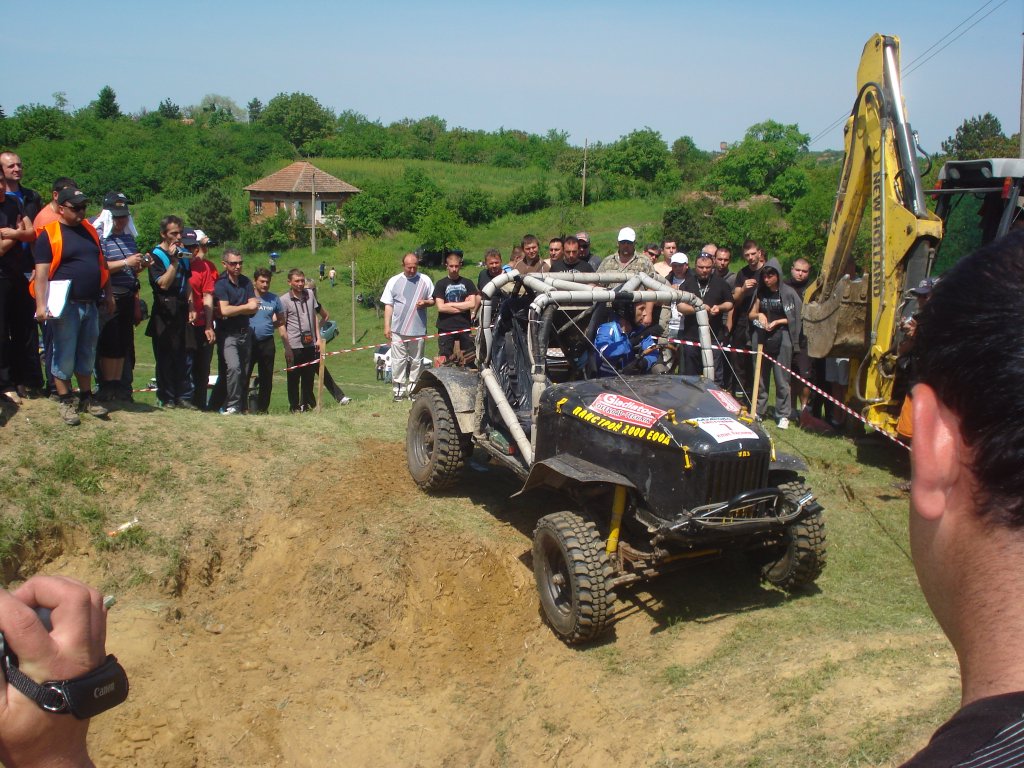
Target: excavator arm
{"x":844,"y":316}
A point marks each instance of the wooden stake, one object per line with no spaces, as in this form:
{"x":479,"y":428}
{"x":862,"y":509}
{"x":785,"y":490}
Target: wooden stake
{"x":757,"y":380}
{"x":320,"y":385}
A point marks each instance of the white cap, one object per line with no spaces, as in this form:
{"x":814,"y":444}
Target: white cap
{"x":679,"y":258}
{"x":200,"y":235}
{"x":626,"y":234}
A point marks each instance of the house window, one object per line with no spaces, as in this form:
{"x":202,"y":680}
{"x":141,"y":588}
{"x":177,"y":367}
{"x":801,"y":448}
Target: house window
{"x":298,"y":209}
{"x":257,"y":207}
{"x":323,"y":207}
{"x":278,"y":205}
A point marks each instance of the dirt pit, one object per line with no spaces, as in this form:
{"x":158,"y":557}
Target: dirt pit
{"x":377,"y":626}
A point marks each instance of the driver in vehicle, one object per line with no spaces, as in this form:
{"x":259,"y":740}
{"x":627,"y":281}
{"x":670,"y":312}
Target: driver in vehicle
{"x":626,"y":345}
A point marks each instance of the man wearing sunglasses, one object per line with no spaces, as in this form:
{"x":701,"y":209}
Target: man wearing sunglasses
{"x":69,"y":249}
{"x":236,"y":299}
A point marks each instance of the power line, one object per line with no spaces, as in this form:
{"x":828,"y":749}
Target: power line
{"x":920,"y":61}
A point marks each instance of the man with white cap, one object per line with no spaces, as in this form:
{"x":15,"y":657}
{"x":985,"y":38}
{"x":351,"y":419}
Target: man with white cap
{"x":626,"y":260}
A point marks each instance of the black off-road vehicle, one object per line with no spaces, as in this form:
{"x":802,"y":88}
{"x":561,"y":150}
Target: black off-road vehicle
{"x":660,"y":470}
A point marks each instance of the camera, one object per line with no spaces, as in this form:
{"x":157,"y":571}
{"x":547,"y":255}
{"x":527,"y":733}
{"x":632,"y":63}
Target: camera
{"x":147,"y":259}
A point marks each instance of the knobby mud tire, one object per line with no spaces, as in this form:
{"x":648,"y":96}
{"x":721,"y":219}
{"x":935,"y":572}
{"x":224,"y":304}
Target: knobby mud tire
{"x":434,"y":449}
{"x":572,"y":569}
{"x":803,"y":554}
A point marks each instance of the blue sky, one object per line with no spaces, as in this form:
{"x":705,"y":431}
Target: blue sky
{"x":594,"y":69}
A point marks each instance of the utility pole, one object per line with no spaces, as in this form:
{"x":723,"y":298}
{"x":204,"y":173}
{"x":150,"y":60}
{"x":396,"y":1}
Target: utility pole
{"x":1022,"y":99}
{"x":353,"y":281}
{"x":312,"y":212}
{"x":583,"y":194}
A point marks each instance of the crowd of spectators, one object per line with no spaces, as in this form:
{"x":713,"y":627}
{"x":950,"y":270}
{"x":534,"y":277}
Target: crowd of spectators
{"x":85,"y":275}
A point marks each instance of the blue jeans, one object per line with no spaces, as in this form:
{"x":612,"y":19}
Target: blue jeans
{"x":75,"y":334}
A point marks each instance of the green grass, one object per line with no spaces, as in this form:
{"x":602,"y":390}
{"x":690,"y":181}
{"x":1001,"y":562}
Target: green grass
{"x":450,"y":177}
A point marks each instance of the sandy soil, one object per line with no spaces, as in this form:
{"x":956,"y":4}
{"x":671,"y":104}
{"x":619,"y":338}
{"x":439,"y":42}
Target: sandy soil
{"x":372,"y":628}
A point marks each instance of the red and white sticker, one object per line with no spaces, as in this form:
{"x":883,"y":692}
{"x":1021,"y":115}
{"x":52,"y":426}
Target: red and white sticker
{"x":723,"y":429}
{"x":624,"y":409}
{"x":730,"y":403}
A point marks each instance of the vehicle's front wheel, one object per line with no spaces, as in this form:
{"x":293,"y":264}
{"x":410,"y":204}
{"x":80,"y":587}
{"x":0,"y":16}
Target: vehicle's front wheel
{"x":571,"y":569}
{"x":433,"y":446}
{"x":802,"y":551}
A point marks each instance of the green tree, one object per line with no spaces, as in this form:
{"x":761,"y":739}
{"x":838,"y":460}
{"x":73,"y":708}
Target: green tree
{"x":693,"y":163}
{"x":751,"y":167}
{"x":439,"y":228}
{"x":642,"y":155}
{"x":211,"y":212}
{"x":979,"y":137}
{"x":169,"y":110}
{"x":364,"y":215}
{"x":299,"y":117}
{"x":255,"y":109}
{"x":106,"y":104}
{"x":213,"y":103}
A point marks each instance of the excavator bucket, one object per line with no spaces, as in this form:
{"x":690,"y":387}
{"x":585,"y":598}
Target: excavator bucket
{"x":837,"y":326}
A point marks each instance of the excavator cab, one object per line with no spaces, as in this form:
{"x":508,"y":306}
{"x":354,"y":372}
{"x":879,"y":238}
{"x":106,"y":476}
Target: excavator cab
{"x":979,"y":201}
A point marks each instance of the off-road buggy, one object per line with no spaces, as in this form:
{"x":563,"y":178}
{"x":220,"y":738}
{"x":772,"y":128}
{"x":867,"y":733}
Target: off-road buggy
{"x":660,"y":470}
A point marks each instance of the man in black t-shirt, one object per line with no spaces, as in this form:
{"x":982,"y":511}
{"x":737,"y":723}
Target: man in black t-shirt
{"x":743,"y":298}
{"x":967,"y":498}
{"x":702,"y":281}
{"x":455,"y":298}
{"x":571,"y":261}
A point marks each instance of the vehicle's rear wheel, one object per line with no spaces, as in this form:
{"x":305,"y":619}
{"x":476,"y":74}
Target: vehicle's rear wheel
{"x":802,"y":555}
{"x":571,"y":569}
{"x":434,"y":448}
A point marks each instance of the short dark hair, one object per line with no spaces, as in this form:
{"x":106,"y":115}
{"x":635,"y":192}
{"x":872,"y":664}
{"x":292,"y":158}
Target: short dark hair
{"x":491,"y":252}
{"x":64,"y":182}
{"x":166,"y":222}
{"x":570,"y":239}
{"x":530,"y":239}
{"x":262,"y":272}
{"x":969,"y":352}
{"x":748,"y":244}
{"x":556,"y":240}
{"x":295,"y":272}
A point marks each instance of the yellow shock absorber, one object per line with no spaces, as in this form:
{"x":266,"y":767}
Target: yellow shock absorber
{"x":618,"y":509}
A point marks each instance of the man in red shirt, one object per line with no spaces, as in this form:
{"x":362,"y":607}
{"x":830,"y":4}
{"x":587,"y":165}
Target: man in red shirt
{"x":200,"y":314}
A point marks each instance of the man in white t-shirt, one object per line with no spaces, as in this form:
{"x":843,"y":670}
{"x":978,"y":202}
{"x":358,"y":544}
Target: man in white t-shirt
{"x":406,"y":298}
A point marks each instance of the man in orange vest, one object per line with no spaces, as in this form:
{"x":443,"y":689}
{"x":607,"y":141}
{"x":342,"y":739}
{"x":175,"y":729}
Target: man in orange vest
{"x":69,"y":250}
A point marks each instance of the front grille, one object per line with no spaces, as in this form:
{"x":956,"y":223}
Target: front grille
{"x":728,"y":476}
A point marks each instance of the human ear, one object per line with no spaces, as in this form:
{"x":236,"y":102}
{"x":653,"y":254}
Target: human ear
{"x":935,"y":456}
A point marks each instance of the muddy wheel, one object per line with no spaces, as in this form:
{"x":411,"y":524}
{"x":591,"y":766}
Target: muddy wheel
{"x":571,"y":569}
{"x":434,"y":448}
{"x":802,"y":550}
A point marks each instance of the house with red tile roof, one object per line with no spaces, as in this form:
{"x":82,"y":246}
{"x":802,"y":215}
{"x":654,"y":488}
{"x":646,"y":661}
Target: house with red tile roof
{"x":294,"y":189}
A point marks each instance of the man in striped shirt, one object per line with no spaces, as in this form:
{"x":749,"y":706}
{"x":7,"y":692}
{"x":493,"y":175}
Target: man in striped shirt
{"x":406,"y":298}
{"x":967,"y":498}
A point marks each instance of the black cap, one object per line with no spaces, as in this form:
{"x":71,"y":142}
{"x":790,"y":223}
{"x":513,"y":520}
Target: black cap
{"x":71,"y":195}
{"x":189,"y":238}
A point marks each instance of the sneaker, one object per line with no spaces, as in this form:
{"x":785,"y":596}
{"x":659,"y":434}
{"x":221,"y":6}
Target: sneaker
{"x":232,"y":411}
{"x":69,"y":412}
{"x":398,"y":398}
{"x":783,"y":423}
{"x":345,"y":401}
{"x":12,"y":396}
{"x":169,"y":404}
{"x":187,"y":405}
{"x":93,"y":407}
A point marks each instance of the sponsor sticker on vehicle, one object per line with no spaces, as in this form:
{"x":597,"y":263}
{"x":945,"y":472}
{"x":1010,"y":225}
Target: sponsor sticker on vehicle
{"x":624,"y":409}
{"x":724,"y":429}
{"x":730,"y":403}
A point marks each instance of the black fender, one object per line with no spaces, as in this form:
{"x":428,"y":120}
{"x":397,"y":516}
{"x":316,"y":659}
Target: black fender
{"x":564,"y":470}
{"x":460,"y":386}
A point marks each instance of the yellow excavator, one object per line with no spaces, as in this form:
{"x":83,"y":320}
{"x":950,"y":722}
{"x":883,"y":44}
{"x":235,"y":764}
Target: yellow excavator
{"x":863,"y":317}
